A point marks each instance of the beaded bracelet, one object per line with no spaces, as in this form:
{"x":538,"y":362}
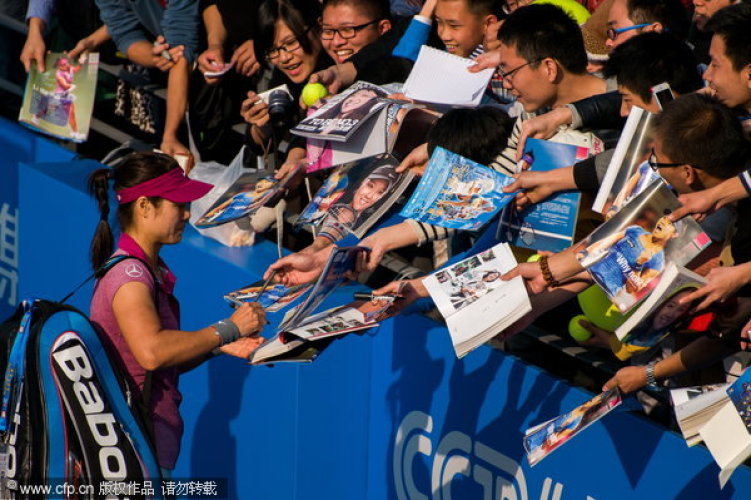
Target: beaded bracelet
{"x":546,"y":274}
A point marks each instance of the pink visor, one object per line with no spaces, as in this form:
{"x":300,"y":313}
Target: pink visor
{"x":173,"y":186}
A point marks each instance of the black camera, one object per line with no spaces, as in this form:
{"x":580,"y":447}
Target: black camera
{"x":280,"y":109}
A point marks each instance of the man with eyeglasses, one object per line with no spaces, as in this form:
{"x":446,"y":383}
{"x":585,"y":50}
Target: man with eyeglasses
{"x":543,"y":63}
{"x":629,"y":18}
{"x":349,"y":25}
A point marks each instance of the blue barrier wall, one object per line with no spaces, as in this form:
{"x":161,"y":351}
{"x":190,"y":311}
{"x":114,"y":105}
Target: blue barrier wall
{"x":390,"y":414}
{"x":17,"y":145}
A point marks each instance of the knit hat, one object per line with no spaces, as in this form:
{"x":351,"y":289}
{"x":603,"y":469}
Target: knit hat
{"x":594,"y":32}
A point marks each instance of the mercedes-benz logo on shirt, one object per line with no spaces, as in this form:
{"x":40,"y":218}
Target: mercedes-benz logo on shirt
{"x":134,"y":271}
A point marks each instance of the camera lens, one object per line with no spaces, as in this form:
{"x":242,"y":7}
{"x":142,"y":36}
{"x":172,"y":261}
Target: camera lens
{"x":280,"y":106}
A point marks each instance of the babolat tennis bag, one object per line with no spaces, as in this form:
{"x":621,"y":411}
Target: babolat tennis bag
{"x":67,"y":428}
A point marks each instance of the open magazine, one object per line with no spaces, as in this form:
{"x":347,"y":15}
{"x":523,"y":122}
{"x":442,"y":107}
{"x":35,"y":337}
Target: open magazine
{"x":657,"y":316}
{"x":285,"y":348}
{"x":550,"y":224}
{"x":306,"y":341}
{"x":396,"y":128}
{"x":627,"y":254}
{"x":453,"y":85}
{"x":273,"y":299}
{"x":355,"y":197}
{"x":694,"y":406}
{"x":628,"y":173}
{"x":473,"y":299}
{"x":341,"y":261}
{"x":60,"y":101}
{"x":343,"y":114}
{"x":544,"y":438}
{"x":359,"y":315}
{"x":728,"y":433}
{"x":246,"y":195}
{"x":456,"y":192}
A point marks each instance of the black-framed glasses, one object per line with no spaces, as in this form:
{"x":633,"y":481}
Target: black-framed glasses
{"x":346,"y":32}
{"x":507,"y":75}
{"x":289,"y":46}
{"x":655,"y":165}
{"x":614,"y":32}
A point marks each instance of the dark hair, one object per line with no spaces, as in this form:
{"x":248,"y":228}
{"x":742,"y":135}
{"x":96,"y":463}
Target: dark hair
{"x":540,"y":31}
{"x":699,"y":130}
{"x":358,"y":113}
{"x":134,"y":169}
{"x":670,"y":13}
{"x":300,"y":17}
{"x":479,"y":134}
{"x":652,"y":58}
{"x":485,"y":7}
{"x":372,"y":9}
{"x":733,"y":24}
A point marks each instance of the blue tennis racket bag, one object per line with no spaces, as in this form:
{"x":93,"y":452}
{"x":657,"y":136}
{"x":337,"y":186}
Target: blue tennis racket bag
{"x":70,"y":427}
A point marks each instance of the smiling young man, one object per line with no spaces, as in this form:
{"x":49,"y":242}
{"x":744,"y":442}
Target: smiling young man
{"x":543,"y":63}
{"x":349,"y":25}
{"x":462,"y":24}
{"x":729,"y":72}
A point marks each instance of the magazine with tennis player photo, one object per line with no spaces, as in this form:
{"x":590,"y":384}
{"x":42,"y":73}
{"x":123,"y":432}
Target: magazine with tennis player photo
{"x":473,"y":299}
{"x":274,"y":298}
{"x":246,"y":195}
{"x":60,"y":101}
{"x":456,"y":192}
{"x":341,"y":116}
{"x":341,"y":262}
{"x":628,"y":172}
{"x":355,"y":197}
{"x":544,"y":438}
{"x":628,"y":253}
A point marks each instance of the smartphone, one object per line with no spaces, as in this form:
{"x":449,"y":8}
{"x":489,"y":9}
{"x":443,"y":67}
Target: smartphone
{"x":663,"y":94}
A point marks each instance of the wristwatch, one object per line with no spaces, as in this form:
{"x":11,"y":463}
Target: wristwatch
{"x":650,"y":368}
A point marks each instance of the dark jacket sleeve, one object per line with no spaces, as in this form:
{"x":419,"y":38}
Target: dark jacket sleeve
{"x":374,"y":63}
{"x":602,"y":111}
{"x":740,"y":245}
{"x":585,"y":175}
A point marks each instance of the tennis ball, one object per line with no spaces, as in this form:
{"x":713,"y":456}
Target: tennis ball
{"x":534,"y":257}
{"x":576,"y":330}
{"x":312,"y":92}
{"x":599,"y":310}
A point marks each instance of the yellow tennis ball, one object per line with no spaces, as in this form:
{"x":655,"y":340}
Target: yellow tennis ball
{"x":312,"y":92}
{"x":599,"y":310}
{"x":534,"y":257}
{"x":576,"y":330}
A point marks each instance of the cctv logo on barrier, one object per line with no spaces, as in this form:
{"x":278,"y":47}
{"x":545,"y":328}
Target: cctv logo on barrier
{"x":500,"y":476}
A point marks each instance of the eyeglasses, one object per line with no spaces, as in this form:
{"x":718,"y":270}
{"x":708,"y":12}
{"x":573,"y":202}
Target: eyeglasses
{"x":655,"y":165}
{"x":614,"y":32}
{"x":507,"y":75}
{"x":289,"y":46}
{"x":346,"y":32}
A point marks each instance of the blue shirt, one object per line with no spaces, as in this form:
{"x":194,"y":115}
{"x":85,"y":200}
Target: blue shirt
{"x":41,"y":9}
{"x":130,"y":21}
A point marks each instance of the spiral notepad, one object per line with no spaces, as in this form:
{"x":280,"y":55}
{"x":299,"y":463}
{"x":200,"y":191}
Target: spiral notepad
{"x":456,"y":85}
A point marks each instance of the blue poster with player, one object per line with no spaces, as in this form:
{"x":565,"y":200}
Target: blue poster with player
{"x":456,"y":192}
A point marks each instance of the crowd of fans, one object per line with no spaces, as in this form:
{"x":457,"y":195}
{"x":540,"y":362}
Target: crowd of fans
{"x":564,"y":70}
